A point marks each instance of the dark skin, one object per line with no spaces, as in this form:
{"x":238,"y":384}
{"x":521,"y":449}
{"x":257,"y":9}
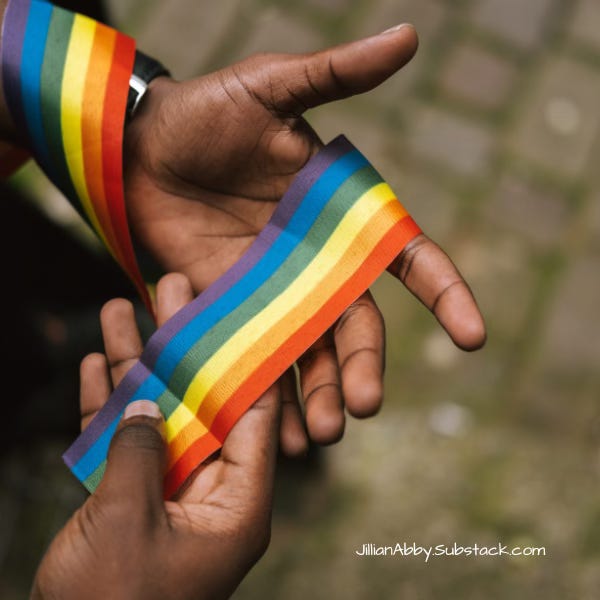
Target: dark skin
{"x":206,"y":161}
{"x":126,"y":542}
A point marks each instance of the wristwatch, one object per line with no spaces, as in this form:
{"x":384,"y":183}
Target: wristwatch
{"x":145,"y":69}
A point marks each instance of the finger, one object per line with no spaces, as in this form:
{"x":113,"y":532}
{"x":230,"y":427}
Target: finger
{"x":292,"y":436}
{"x":136,"y":462}
{"x":122,"y":341}
{"x":430,"y":275}
{"x":94,"y":386}
{"x":252,"y":443}
{"x":173,"y":292}
{"x":360,"y":345}
{"x":322,"y":392}
{"x":299,"y":82}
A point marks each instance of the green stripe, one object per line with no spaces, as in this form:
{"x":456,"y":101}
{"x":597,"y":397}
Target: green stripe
{"x":59,"y":34}
{"x":168,"y":402}
{"x":321,"y":230}
{"x":93,"y":480}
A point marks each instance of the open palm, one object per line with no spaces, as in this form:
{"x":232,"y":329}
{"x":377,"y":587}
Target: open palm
{"x":206,"y":162}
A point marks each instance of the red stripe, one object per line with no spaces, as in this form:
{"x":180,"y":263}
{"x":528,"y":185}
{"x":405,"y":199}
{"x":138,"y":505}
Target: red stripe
{"x":382,"y":255}
{"x":203,"y":448}
{"x":113,"y":123}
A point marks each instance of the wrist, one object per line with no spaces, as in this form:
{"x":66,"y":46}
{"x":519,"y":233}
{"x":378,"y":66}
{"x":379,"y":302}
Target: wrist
{"x":145,"y":70}
{"x":148,"y":84}
{"x":143,"y":163}
{"x":158,"y":89}
{"x":140,"y":129}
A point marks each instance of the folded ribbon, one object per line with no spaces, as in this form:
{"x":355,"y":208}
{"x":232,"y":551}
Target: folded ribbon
{"x":66,"y":80}
{"x":335,"y":230}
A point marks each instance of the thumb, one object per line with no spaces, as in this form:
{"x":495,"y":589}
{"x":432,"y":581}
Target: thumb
{"x":252,"y":443}
{"x":136,"y":459}
{"x":299,"y":82}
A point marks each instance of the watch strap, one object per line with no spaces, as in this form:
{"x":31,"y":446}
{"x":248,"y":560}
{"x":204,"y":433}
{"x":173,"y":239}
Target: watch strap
{"x":145,"y":69}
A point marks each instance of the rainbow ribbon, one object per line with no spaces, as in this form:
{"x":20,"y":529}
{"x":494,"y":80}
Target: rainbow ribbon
{"x":66,"y":80}
{"x":335,"y":230}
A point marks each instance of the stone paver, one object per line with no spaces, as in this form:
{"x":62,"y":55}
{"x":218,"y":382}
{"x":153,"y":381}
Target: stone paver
{"x":560,"y":122}
{"x":274,"y":31}
{"x":330,"y":7}
{"x":584,"y":24}
{"x":540,"y":216}
{"x":593,"y":223}
{"x":571,"y":342}
{"x":520,"y":23}
{"x":478,"y":76}
{"x":452,"y":141}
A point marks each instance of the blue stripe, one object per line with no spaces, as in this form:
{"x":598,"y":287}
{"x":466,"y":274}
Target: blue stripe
{"x":97,"y":453}
{"x":34,"y":47}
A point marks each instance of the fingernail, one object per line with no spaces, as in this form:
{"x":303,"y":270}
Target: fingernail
{"x":142,"y":408}
{"x":395,"y":28}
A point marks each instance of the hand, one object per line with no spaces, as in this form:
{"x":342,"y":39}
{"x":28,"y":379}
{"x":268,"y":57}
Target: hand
{"x":206,"y":162}
{"x":126,"y":541}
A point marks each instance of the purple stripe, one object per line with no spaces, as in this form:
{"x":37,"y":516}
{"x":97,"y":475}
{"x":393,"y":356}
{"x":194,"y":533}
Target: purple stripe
{"x":286,"y":208}
{"x":109,"y":412}
{"x":13,"y":36}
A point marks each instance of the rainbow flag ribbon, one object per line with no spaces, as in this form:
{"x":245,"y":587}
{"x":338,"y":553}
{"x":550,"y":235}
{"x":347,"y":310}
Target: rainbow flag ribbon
{"x":336,"y":229}
{"x":66,"y":80}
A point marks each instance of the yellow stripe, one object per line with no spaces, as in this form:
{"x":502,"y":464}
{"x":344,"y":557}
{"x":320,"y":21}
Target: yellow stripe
{"x":318,"y":269}
{"x":76,"y":66}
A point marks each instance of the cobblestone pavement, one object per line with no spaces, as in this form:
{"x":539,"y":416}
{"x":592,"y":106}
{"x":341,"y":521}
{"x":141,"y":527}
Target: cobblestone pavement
{"x":490,"y":136}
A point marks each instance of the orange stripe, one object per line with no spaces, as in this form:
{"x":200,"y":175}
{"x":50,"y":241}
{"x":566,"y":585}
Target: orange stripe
{"x":266,"y":373}
{"x":95,"y":88}
{"x":202,"y":447}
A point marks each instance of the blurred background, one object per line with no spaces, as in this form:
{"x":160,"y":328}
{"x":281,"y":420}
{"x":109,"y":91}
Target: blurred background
{"x":490,"y":137}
